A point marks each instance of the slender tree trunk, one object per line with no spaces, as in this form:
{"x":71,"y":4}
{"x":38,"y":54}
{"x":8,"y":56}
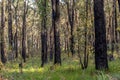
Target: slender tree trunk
{"x":24,"y":33}
{"x":85,"y":51}
{"x":114,"y":32}
{"x":16,"y":33}
{"x":101,"y":61}
{"x":55,"y":24}
{"x":10,"y":33}
{"x":116,"y":26}
{"x":67,"y":38}
{"x":71,"y":16}
{"x":78,"y":49}
{"x":109,"y":29}
{"x":3,"y":56}
{"x":16,"y":43}
{"x":44,"y":34}
{"x":51,"y":44}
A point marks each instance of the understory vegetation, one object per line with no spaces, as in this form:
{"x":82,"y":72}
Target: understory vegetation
{"x":70,"y":70}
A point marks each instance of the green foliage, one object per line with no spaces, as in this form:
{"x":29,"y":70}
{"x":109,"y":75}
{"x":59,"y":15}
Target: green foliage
{"x":41,"y":7}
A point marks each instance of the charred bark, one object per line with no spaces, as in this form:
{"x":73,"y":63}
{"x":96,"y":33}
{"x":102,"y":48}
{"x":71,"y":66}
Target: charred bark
{"x":3,"y":56}
{"x":70,"y":10}
{"x":44,"y":34}
{"x":24,"y":32}
{"x":10,"y":33}
{"x":101,"y":61}
{"x":55,"y":22}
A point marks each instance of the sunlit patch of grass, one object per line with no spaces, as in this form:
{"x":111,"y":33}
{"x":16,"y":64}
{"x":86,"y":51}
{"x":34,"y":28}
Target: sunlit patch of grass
{"x":28,"y":74}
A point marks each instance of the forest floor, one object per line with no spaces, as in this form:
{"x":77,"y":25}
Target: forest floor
{"x":70,"y":70}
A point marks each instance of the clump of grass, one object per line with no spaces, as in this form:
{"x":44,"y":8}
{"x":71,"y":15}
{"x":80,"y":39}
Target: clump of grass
{"x":102,"y":76}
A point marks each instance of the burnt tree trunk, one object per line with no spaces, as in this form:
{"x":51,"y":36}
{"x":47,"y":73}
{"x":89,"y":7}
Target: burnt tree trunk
{"x":3,"y":57}
{"x":10,"y":34}
{"x":44,"y":34}
{"x":24,"y":33}
{"x":51,"y":44}
{"x":101,"y":61}
{"x":70,"y":10}
{"x":55,"y":24}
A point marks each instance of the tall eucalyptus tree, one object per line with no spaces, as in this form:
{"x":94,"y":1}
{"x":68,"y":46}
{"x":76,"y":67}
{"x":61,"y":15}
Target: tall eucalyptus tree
{"x":24,"y":31}
{"x":44,"y":32}
{"x":16,"y":24}
{"x":55,"y":25}
{"x":10,"y":21}
{"x":71,"y":15}
{"x":42,"y":7}
{"x":2,"y":45}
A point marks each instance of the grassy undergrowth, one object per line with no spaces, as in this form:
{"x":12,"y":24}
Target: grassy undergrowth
{"x":70,"y":70}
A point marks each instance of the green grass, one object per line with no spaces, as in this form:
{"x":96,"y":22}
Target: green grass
{"x":70,"y":70}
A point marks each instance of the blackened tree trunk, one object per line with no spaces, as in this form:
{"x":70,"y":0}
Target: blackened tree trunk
{"x":24,"y":32}
{"x":16,"y":43}
{"x":3,"y":57}
{"x":101,"y":61}
{"x":55,"y":24}
{"x":44,"y":33}
{"x":70,"y":10}
{"x":10,"y":34}
{"x":51,"y":44}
